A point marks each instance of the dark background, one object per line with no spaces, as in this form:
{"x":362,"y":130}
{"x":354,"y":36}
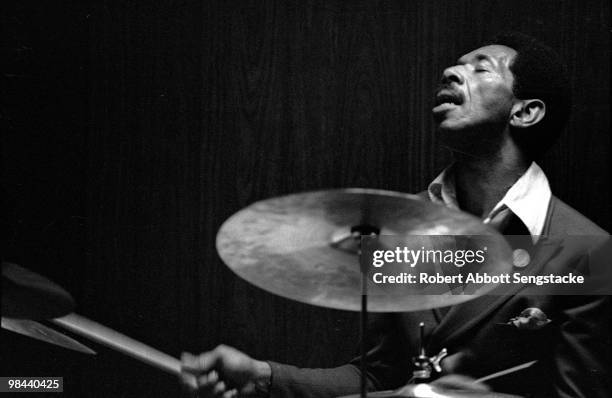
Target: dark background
{"x":132,"y":129}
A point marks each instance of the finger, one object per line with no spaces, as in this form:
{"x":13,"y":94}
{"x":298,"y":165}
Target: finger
{"x":188,"y":383}
{"x":208,"y":380}
{"x":188,"y":362}
{"x":233,"y":393}
{"x":202,"y":363}
{"x":207,"y":360}
{"x":187,"y":380}
{"x":219,"y":389}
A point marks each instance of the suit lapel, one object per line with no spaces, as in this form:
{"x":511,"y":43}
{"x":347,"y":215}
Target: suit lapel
{"x":463,"y":317}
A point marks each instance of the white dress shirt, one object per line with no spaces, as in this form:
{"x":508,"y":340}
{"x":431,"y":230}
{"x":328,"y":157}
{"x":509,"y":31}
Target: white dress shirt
{"x":528,"y":198}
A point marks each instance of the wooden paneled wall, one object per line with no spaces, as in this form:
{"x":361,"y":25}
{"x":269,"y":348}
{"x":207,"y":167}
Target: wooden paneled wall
{"x":135,"y":128}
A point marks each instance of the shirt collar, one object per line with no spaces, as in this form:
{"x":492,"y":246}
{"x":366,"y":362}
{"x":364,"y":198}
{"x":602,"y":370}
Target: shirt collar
{"x":528,"y":198}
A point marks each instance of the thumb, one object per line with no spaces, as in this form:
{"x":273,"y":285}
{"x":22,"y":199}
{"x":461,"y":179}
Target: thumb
{"x":198,"y":364}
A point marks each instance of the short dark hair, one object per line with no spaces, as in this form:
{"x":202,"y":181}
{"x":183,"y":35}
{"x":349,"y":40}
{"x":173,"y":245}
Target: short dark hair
{"x":539,"y":73}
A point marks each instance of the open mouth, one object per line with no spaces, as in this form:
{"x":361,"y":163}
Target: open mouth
{"x":448,"y":97}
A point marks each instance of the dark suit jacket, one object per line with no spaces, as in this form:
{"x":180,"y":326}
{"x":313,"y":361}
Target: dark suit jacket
{"x":572,"y":351}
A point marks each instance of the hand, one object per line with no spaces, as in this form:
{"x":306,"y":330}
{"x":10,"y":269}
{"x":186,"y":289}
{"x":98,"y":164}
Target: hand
{"x":223,"y":373}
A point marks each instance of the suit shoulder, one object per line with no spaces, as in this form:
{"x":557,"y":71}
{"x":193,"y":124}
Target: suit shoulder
{"x":565,"y":220}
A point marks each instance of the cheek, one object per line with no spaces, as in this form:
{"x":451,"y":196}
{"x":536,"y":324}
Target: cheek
{"x":497,"y":102}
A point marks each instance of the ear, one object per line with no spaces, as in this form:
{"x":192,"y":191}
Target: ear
{"x":526,"y":113}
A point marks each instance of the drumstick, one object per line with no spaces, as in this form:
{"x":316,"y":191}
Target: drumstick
{"x":120,"y":342}
{"x":505,"y":371}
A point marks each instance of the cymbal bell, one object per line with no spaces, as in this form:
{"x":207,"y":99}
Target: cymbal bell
{"x":291,"y":245}
{"x":28,"y":295}
{"x":428,"y":391}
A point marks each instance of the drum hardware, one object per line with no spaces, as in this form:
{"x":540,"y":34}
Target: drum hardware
{"x":304,"y":247}
{"x":428,"y":391}
{"x":421,"y":390}
{"x":424,"y":365}
{"x":307,"y":247}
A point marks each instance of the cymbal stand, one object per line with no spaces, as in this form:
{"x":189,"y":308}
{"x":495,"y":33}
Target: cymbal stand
{"x":352,"y":243}
{"x":424,"y":365}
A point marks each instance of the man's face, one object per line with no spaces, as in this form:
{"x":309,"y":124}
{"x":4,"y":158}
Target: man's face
{"x":477,"y":92}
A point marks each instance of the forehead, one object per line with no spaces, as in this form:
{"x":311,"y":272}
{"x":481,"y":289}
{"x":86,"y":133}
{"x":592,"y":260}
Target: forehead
{"x":495,"y":52}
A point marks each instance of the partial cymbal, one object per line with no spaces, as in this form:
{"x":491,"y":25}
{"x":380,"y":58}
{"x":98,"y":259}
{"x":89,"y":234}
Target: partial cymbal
{"x":290,"y":245}
{"x":428,"y":391}
{"x":44,"y":333}
{"x":27,"y":295}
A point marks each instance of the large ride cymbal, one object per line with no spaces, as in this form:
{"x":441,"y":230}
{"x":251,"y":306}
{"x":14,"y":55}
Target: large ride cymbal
{"x":290,"y":245}
{"x":27,"y":295}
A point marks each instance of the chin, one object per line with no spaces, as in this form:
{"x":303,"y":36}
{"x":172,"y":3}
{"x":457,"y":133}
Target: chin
{"x":447,"y":126}
{"x":449,"y":122}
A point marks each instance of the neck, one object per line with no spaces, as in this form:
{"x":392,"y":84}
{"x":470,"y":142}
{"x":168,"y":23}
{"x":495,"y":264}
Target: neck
{"x":482,"y":181}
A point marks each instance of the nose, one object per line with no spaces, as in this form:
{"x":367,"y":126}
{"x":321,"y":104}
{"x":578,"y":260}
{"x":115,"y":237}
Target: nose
{"x":450,"y":75}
